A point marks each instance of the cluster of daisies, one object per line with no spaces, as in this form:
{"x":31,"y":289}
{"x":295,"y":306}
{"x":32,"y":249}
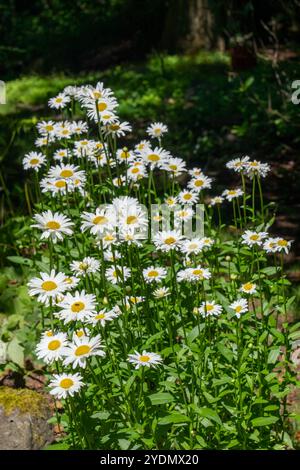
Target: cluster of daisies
{"x":68,"y":164}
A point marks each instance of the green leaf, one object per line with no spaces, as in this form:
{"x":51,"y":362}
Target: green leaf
{"x":161,"y":398}
{"x":174,"y":418}
{"x":57,"y":446}
{"x":15,"y":352}
{"x":264,"y":421}
{"x":102,"y":415}
{"x":273,"y":355}
{"x":20,"y":260}
{"x":208,"y":413}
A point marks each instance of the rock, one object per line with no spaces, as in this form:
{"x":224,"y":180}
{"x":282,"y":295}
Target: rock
{"x":24,"y":418}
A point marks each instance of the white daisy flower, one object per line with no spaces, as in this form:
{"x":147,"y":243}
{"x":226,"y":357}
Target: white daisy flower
{"x":171,"y":201}
{"x":131,"y":300}
{"x":232,"y":193}
{"x":64,"y":385}
{"x":239,"y":306}
{"x":76,"y":307}
{"x":207,"y":242}
{"x":81,"y":349}
{"x":119,"y":181}
{"x":188,"y":197}
{"x":238,"y":164}
{"x":174,"y":166}
{"x":71,"y":281}
{"x":142,"y":145}
{"x":283,"y":245}
{"x":60,"y":154}
{"x":48,"y":286}
{"x":103,"y":105}
{"x":44,"y":140}
{"x":210,"y":309}
{"x":79,"y":127}
{"x":199,"y":183}
{"x":125,"y":156}
{"x":270,"y":245}
{"x":257,"y":168}
{"x":66,"y":172}
{"x":117,"y":274}
{"x":155,"y":158}
{"x":51,"y":347}
{"x":193,"y":274}
{"x":153,"y":274}
{"x":112,"y":255}
{"x":33,"y":161}
{"x":168,"y":240}
{"x":248,"y":288}
{"x":251,"y":238}
{"x":147,"y":359}
{"x":136,"y":172}
{"x":183,"y":215}
{"x":53,"y":225}
{"x":103,"y":316}
{"x":59,"y":102}
{"x":98,"y":222}
{"x":117,"y":129}
{"x":216,"y":200}
{"x":195,"y":172}
{"x":88,"y":265}
{"x":161,"y":292}
{"x":193,"y":246}
{"x":157,"y":130}
{"x":45,"y":127}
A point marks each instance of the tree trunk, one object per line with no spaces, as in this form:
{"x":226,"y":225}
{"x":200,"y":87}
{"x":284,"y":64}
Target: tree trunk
{"x":189,"y":27}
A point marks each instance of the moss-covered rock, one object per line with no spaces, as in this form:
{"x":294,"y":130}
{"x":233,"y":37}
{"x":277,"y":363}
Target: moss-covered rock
{"x":24,"y":418}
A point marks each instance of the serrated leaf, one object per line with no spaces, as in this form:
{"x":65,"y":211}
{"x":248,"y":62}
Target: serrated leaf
{"x":15,"y":352}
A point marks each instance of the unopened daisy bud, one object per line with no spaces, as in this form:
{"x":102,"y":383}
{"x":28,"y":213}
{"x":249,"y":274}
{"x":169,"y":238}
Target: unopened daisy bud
{"x":195,"y":311}
{"x":228,"y":258}
{"x":233,"y":276}
{"x":105,"y":300}
{"x":128,"y":289}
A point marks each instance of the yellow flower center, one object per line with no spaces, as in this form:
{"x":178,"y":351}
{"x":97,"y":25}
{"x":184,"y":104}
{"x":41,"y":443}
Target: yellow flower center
{"x":97,"y":94}
{"x":52,"y":225}
{"x":209,"y":307}
{"x":49,"y":128}
{"x":157,"y":218}
{"x":66,"y":173}
{"x":193,"y":246}
{"x":135,"y":170}
{"x":173,"y":167}
{"x":49,"y":285}
{"x":100,"y":220}
{"x":34,"y":161}
{"x":83,"y":266}
{"x":68,"y":280}
{"x":197,"y":272}
{"x":58,"y":100}
{"x":82,"y":350}
{"x":53,"y":345}
{"x":125,"y":154}
{"x":170,"y":241}
{"x":65,"y":131}
{"x":187,"y":197}
{"x":114,"y":127}
{"x":254,"y":237}
{"x":101,"y":106}
{"x":131,"y":219}
{"x":77,"y":307}
{"x":248,"y":286}
{"x":238,"y":309}
{"x":153,"y":157}
{"x":100,"y":316}
{"x":49,"y":333}
{"x":66,"y":383}
{"x":153,"y":273}
{"x":232,"y":192}
{"x":60,"y":184}
{"x":144,"y":358}
{"x":157,"y":131}
{"x":282,"y":242}
{"x":79,"y":333}
{"x":199,"y":183}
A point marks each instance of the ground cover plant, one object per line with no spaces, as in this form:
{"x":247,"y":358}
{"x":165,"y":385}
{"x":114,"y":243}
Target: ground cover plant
{"x":157,"y":339}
